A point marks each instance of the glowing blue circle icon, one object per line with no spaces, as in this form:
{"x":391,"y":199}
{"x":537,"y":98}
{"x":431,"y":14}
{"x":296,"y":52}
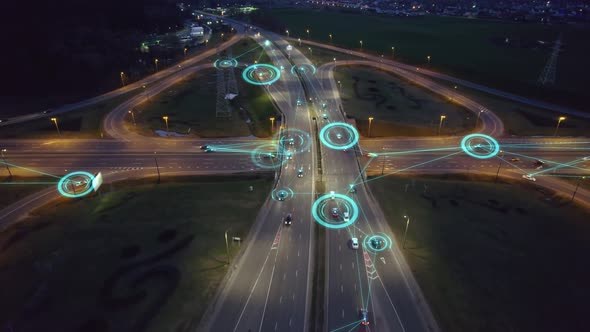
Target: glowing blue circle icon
{"x":294,"y":140}
{"x":282,"y":194}
{"x":261,"y":74}
{"x":266,"y":156}
{"x":377,"y":242}
{"x":75,"y":184}
{"x":335,"y":211}
{"x":304,"y":68}
{"x":480,"y":146}
{"x":339,"y":136}
{"x":225,"y":63}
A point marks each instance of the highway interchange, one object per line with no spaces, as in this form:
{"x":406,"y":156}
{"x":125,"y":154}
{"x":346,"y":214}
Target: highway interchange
{"x":269,"y":285}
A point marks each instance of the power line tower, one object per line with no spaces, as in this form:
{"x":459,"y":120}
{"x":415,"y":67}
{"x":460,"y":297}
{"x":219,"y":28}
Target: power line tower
{"x":548,"y":74}
{"x":232,"y":85}
{"x":222,"y":109}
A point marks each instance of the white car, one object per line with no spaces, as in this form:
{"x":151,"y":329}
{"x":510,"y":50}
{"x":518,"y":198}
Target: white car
{"x":529,"y":177}
{"x":332,"y":194}
{"x":346,"y":216}
{"x":339,"y":136}
{"x":354,"y":243}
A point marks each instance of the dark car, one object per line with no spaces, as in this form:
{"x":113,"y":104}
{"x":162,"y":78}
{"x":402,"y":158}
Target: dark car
{"x":281,"y":196}
{"x":364,"y":317}
{"x":204,"y":147}
{"x":335,"y":212}
{"x":376,"y":243}
{"x":288,"y":219}
{"x":300,"y":173}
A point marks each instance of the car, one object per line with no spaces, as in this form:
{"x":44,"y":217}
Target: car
{"x":346,"y":216}
{"x":335,"y":213}
{"x":282,"y":196}
{"x":586,"y":158}
{"x":339,"y":136}
{"x":325,"y":116}
{"x":204,"y":147}
{"x":529,"y":177}
{"x":3,"y":120}
{"x":299,"y":103}
{"x":352,"y":188}
{"x":324,"y":105}
{"x":291,"y":141}
{"x":514,"y":160}
{"x":371,"y":155}
{"x":538,"y":163}
{"x":209,"y":150}
{"x":268,"y":156}
{"x":354,"y":243}
{"x":344,"y":150}
{"x":332,"y":194}
{"x":300,"y":173}
{"x":364,"y":317}
{"x":289,"y":155}
{"x":288,"y":220}
{"x":376,"y":243}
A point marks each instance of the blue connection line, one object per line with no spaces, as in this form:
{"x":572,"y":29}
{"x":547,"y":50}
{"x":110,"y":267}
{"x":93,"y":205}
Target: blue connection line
{"x":15,"y":183}
{"x":247,"y":52}
{"x":418,"y":151}
{"x":559,"y":165}
{"x":347,"y":325}
{"x":410,"y":167}
{"x":32,"y":170}
{"x":549,"y":161}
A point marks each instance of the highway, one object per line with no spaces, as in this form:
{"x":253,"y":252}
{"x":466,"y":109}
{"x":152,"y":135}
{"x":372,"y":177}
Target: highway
{"x":268,"y":287}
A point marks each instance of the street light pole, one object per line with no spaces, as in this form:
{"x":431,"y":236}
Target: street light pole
{"x":406,"y":231}
{"x":573,"y":195}
{"x":157,"y":167}
{"x":185,"y":49}
{"x":299,"y":40}
{"x":156,"y":62}
{"x":561,"y":118}
{"x":56,"y":126}
{"x":122,"y":79}
{"x":307,"y":33}
{"x":5,"y":163}
{"x":477,"y":119}
{"x":227,"y":246}
{"x":272,"y":125}
{"x":383,"y":165}
{"x":442,"y":117}
{"x":132,"y":116}
{"x":166,"y":120}
{"x":334,"y":62}
{"x":370,"y":122}
{"x":392,"y":52}
{"x":287,"y":31}
{"x":428,"y":57}
{"x":330,"y":38}
{"x":499,"y":165}
{"x":361,"y":45}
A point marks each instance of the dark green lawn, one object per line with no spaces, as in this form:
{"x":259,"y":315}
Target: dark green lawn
{"x":492,"y":257}
{"x":144,"y":254}
{"x":471,"y":49}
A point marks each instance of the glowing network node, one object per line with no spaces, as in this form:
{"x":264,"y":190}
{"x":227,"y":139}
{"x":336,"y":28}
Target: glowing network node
{"x":305,"y":68}
{"x":480,"y":146}
{"x":261,"y":74}
{"x":225,"y":63}
{"x":339,"y":136}
{"x":296,"y":140}
{"x":75,"y":184}
{"x":268,"y":156}
{"x":267,"y":42}
{"x":378,"y":242}
{"x":321,"y":210}
{"x":282,"y":194}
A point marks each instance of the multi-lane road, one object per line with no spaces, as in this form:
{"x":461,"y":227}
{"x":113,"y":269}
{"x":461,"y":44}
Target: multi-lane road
{"x":268,"y":287}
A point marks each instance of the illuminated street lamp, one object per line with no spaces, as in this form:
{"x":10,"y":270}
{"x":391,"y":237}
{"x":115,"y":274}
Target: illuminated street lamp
{"x":361,"y":44}
{"x":310,"y":51}
{"x":330,"y":37}
{"x":334,"y":61}
{"x":287,"y":31}
{"x":428,"y":58}
{"x":156,"y":62}
{"x":222,"y":34}
{"x":299,"y":40}
{"x":442,"y":118}
{"x":54,"y":120}
{"x":272,"y":124}
{"x":122,"y":79}
{"x":5,"y":163}
{"x":478,"y":115}
{"x":370,"y":122}
{"x":166,"y":120}
{"x":340,"y":84}
{"x":185,"y":49}
{"x":406,"y":231}
{"x":307,"y":33}
{"x":561,"y":118}
{"x":206,"y":42}
{"x":147,"y":96}
{"x":132,"y":116}
{"x":573,"y":195}
{"x":392,"y":52}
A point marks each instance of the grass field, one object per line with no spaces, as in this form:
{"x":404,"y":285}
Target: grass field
{"x":492,"y":257}
{"x":144,"y":255}
{"x":12,"y":189}
{"x":471,"y":49}
{"x":399,"y":108}
{"x":192,"y":103}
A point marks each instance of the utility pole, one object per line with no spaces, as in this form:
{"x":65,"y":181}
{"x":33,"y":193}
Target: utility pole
{"x":383,"y":165}
{"x":157,"y":167}
{"x":577,"y":185}
{"x":5,"y":163}
{"x":406,"y":231}
{"x":227,"y":246}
